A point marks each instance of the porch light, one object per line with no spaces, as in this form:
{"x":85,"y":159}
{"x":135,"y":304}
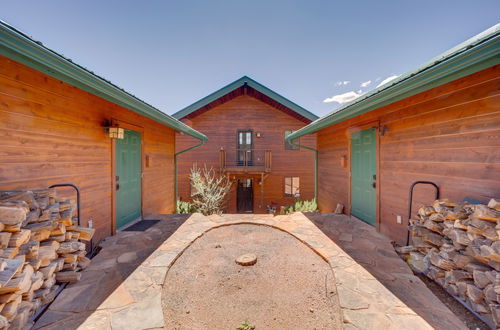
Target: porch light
{"x":115,"y":132}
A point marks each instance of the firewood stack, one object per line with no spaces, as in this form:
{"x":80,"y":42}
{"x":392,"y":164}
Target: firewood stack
{"x":458,"y":246}
{"x":41,"y":247}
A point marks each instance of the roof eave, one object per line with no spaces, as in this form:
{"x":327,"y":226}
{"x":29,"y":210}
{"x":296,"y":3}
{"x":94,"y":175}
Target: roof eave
{"x":20,"y":48}
{"x":468,"y":61}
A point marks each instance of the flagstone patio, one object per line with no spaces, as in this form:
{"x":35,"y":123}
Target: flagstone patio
{"x":122,"y":288}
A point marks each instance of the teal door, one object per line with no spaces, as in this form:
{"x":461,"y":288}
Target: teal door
{"x":128,"y":178}
{"x":363,"y":175}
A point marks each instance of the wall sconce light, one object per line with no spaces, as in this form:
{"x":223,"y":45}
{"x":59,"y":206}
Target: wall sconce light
{"x":113,"y":129}
{"x":115,"y":132}
{"x":257,"y":134}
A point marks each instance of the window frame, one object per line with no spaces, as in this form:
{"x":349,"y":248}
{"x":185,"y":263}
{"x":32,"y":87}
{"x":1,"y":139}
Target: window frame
{"x":297,"y":189}
{"x":289,"y":146}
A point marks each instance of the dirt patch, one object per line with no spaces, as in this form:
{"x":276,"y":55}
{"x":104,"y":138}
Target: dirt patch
{"x":290,"y":287}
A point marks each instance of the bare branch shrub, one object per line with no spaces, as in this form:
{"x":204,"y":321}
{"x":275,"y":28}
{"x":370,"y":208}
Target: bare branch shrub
{"x":209,"y":190}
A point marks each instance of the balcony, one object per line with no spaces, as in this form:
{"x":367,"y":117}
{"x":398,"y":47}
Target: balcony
{"x":245,"y":160}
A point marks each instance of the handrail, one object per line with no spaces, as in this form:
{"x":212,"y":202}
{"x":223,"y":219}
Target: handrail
{"x":410,"y":201}
{"x":246,"y":158}
{"x":77,"y":196}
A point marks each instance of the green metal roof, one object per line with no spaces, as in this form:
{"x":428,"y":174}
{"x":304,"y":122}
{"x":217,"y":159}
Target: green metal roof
{"x":21,"y":48}
{"x":478,"y":53}
{"x":237,"y":84}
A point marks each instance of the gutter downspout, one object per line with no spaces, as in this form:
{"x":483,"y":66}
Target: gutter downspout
{"x":176,"y":192}
{"x":315,"y":166}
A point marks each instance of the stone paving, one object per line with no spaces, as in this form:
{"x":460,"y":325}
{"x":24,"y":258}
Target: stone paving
{"x":375,"y":253}
{"x":122,"y":288}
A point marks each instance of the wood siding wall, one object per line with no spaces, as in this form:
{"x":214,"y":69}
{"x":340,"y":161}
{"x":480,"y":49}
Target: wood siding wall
{"x":221,"y":123}
{"x":51,"y":132}
{"x":449,"y":135}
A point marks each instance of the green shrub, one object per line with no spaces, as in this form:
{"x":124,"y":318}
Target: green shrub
{"x":184,"y":207}
{"x":302,"y":206}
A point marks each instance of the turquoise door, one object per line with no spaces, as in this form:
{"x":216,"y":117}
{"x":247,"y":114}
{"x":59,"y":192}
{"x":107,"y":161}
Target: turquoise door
{"x":363,"y":175}
{"x":128,"y":178}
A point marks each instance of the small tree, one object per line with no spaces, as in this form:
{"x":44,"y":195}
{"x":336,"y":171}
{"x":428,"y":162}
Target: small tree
{"x":209,"y":190}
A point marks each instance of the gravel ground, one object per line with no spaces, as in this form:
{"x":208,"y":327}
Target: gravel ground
{"x":469,"y":319}
{"x":290,"y":286}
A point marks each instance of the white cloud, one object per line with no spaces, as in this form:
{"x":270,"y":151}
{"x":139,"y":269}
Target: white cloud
{"x":342,"y":83}
{"x":343,"y":98}
{"x":366,"y":83}
{"x":386,"y":80}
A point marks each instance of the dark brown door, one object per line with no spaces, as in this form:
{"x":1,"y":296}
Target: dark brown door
{"x":244,"y":147}
{"x":244,"y":196}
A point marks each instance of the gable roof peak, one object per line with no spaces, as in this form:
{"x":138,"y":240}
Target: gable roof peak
{"x":245,"y":80}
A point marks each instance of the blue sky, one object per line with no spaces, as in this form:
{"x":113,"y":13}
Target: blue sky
{"x":172,"y":53}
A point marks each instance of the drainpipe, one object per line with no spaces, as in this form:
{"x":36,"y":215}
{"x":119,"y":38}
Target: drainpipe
{"x":315,"y":166}
{"x":202,"y":142}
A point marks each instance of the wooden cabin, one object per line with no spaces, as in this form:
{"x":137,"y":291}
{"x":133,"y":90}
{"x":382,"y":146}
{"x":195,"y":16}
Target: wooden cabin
{"x":437,"y":123}
{"x":60,"y":123}
{"x":246,"y":123}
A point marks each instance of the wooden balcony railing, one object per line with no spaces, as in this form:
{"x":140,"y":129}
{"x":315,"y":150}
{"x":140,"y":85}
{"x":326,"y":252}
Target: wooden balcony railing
{"x":245,"y":159}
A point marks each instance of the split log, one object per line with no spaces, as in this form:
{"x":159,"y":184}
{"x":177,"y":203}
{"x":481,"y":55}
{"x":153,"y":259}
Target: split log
{"x":50,"y":296}
{"x":10,"y":309}
{"x":60,"y":229}
{"x":475,"y":294}
{"x":457,"y":236}
{"x":46,"y":254}
{"x":49,"y":283}
{"x":21,"y":283}
{"x":70,"y":247}
{"x":13,"y":228}
{"x":454,"y":276}
{"x":440,"y":262}
{"x":4,"y":323}
{"x":12,"y":268}
{"x":494,"y":204}
{"x":68,"y":276}
{"x":48,"y":270}
{"x":21,"y":320}
{"x":4,"y":239}
{"x":19,"y":238}
{"x":83,"y":262}
{"x":13,"y":213}
{"x":481,"y":280}
{"x":86,"y":234}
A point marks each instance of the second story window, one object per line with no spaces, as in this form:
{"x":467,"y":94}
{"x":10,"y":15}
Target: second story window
{"x":289,"y":146}
{"x":292,"y":187}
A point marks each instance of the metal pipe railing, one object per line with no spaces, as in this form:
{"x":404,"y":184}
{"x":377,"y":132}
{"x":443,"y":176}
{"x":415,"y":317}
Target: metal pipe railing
{"x":410,"y":201}
{"x":77,"y":196}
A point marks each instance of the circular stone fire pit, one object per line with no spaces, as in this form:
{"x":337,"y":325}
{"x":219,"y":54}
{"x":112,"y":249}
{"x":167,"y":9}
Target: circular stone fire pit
{"x":291,"y":287}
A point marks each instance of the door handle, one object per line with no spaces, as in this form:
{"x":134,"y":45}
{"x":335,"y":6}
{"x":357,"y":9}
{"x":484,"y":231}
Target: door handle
{"x":117,"y":186}
{"x":374,"y":184}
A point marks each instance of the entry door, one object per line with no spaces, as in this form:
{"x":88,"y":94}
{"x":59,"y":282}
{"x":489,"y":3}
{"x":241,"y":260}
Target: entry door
{"x":128,"y":178}
{"x":244,"y":146}
{"x":363,"y":175}
{"x":244,"y":196}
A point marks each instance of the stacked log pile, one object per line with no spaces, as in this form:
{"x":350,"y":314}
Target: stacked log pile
{"x":41,"y":247}
{"x":458,"y":246}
